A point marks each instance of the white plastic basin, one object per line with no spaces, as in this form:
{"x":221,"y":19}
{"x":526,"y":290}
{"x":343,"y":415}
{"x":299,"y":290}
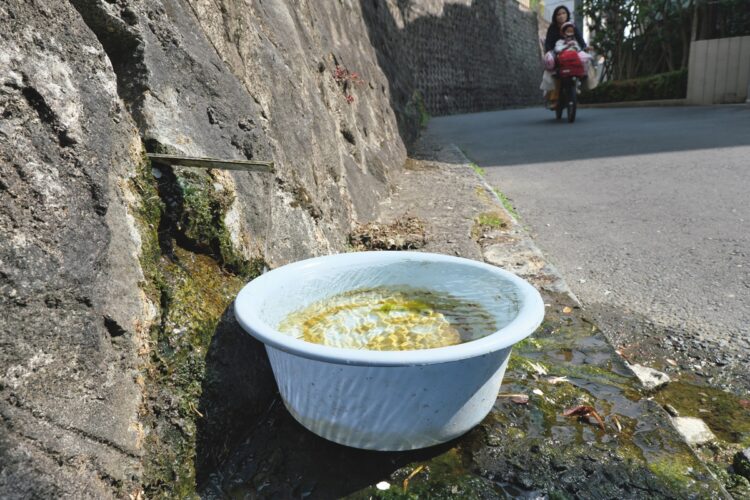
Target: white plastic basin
{"x":388,"y":400}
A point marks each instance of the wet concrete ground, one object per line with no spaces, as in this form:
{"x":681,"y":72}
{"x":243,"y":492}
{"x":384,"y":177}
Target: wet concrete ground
{"x":524,"y":448}
{"x":519,"y":451}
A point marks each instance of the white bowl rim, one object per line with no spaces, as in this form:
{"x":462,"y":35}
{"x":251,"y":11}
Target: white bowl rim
{"x":529,"y":317}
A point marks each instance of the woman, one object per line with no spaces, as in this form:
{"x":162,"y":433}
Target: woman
{"x":560,"y":16}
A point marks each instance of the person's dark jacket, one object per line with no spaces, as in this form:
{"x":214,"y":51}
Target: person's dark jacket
{"x":553,"y":35}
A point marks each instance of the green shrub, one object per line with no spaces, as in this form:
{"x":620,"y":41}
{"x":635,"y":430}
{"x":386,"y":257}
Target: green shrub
{"x":672,"y":85}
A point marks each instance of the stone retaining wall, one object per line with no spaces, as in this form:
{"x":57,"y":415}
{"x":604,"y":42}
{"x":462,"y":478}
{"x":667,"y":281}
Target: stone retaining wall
{"x":463,"y":56}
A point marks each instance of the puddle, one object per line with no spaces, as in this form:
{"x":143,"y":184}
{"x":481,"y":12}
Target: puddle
{"x":723,"y":412}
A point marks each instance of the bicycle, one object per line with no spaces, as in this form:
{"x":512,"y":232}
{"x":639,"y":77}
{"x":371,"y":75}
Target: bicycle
{"x":568,"y":98}
{"x":570,"y":71}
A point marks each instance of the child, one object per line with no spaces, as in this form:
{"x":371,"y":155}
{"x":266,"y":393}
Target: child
{"x":572,"y":61}
{"x":568,"y":40}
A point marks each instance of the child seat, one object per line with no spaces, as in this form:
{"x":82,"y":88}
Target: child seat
{"x":569,"y":64}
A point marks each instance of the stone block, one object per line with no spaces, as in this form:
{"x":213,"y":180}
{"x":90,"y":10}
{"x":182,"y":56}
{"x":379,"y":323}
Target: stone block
{"x":693,"y":430}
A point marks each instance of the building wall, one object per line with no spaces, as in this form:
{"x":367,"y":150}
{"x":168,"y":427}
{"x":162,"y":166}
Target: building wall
{"x":719,"y":71}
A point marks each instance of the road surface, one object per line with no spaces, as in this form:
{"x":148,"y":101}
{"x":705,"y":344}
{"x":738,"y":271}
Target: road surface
{"x":645,"y":210}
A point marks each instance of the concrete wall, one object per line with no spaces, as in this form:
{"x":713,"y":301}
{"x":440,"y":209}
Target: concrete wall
{"x":719,"y":71}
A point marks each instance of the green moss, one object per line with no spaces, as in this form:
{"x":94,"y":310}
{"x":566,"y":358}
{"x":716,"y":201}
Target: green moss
{"x":192,"y":287}
{"x":675,"y":470}
{"x":198,"y":291}
{"x":529,"y":343}
{"x":417,"y":103}
{"x":488,"y":221}
{"x":479,"y":170}
{"x":507,"y":204}
{"x":148,"y":213}
{"x":442,"y":477}
{"x":201,"y":221}
{"x":737,"y":486}
{"x":492,"y":220}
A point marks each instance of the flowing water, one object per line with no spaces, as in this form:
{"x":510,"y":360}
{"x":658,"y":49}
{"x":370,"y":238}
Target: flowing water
{"x":390,"y":319}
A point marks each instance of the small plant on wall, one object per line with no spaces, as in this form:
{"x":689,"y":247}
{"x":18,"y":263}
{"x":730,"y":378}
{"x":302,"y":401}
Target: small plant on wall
{"x":346,"y":80}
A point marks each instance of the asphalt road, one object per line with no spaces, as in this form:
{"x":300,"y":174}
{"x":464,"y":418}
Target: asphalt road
{"x":641,"y":209}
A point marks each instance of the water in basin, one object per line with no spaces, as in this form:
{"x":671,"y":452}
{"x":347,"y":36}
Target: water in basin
{"x":394,"y":318}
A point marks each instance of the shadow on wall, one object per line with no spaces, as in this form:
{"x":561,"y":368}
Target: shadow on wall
{"x":250,"y":446}
{"x":475,"y":57}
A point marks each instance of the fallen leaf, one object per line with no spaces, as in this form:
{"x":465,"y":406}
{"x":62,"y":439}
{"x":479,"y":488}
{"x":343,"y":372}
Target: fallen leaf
{"x":537,"y":367}
{"x":519,"y":399}
{"x":617,"y":423}
{"x":622,"y":354}
{"x":557,"y":380}
{"x":567,"y":310}
{"x":578,"y":410}
{"x":538,"y":392}
{"x":745,"y":403}
{"x":191,"y":405}
{"x":584,"y":411}
{"x":413,"y":473}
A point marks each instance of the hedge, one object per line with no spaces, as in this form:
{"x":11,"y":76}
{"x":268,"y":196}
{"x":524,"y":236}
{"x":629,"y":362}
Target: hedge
{"x":672,"y":85}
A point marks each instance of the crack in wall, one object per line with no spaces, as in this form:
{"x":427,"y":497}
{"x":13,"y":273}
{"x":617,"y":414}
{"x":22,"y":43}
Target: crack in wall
{"x":38,"y":415}
{"x":122,"y":43}
{"x":60,"y":458}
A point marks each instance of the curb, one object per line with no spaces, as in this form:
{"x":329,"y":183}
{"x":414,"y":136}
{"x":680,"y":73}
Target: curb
{"x":558,"y":284}
{"x":637,"y":104}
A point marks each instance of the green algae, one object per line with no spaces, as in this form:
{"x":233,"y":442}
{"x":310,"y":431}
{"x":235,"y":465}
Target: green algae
{"x":675,"y":470}
{"x":727,"y":418}
{"x":721,"y":411}
{"x":389,"y":318}
{"x":634,"y":447}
